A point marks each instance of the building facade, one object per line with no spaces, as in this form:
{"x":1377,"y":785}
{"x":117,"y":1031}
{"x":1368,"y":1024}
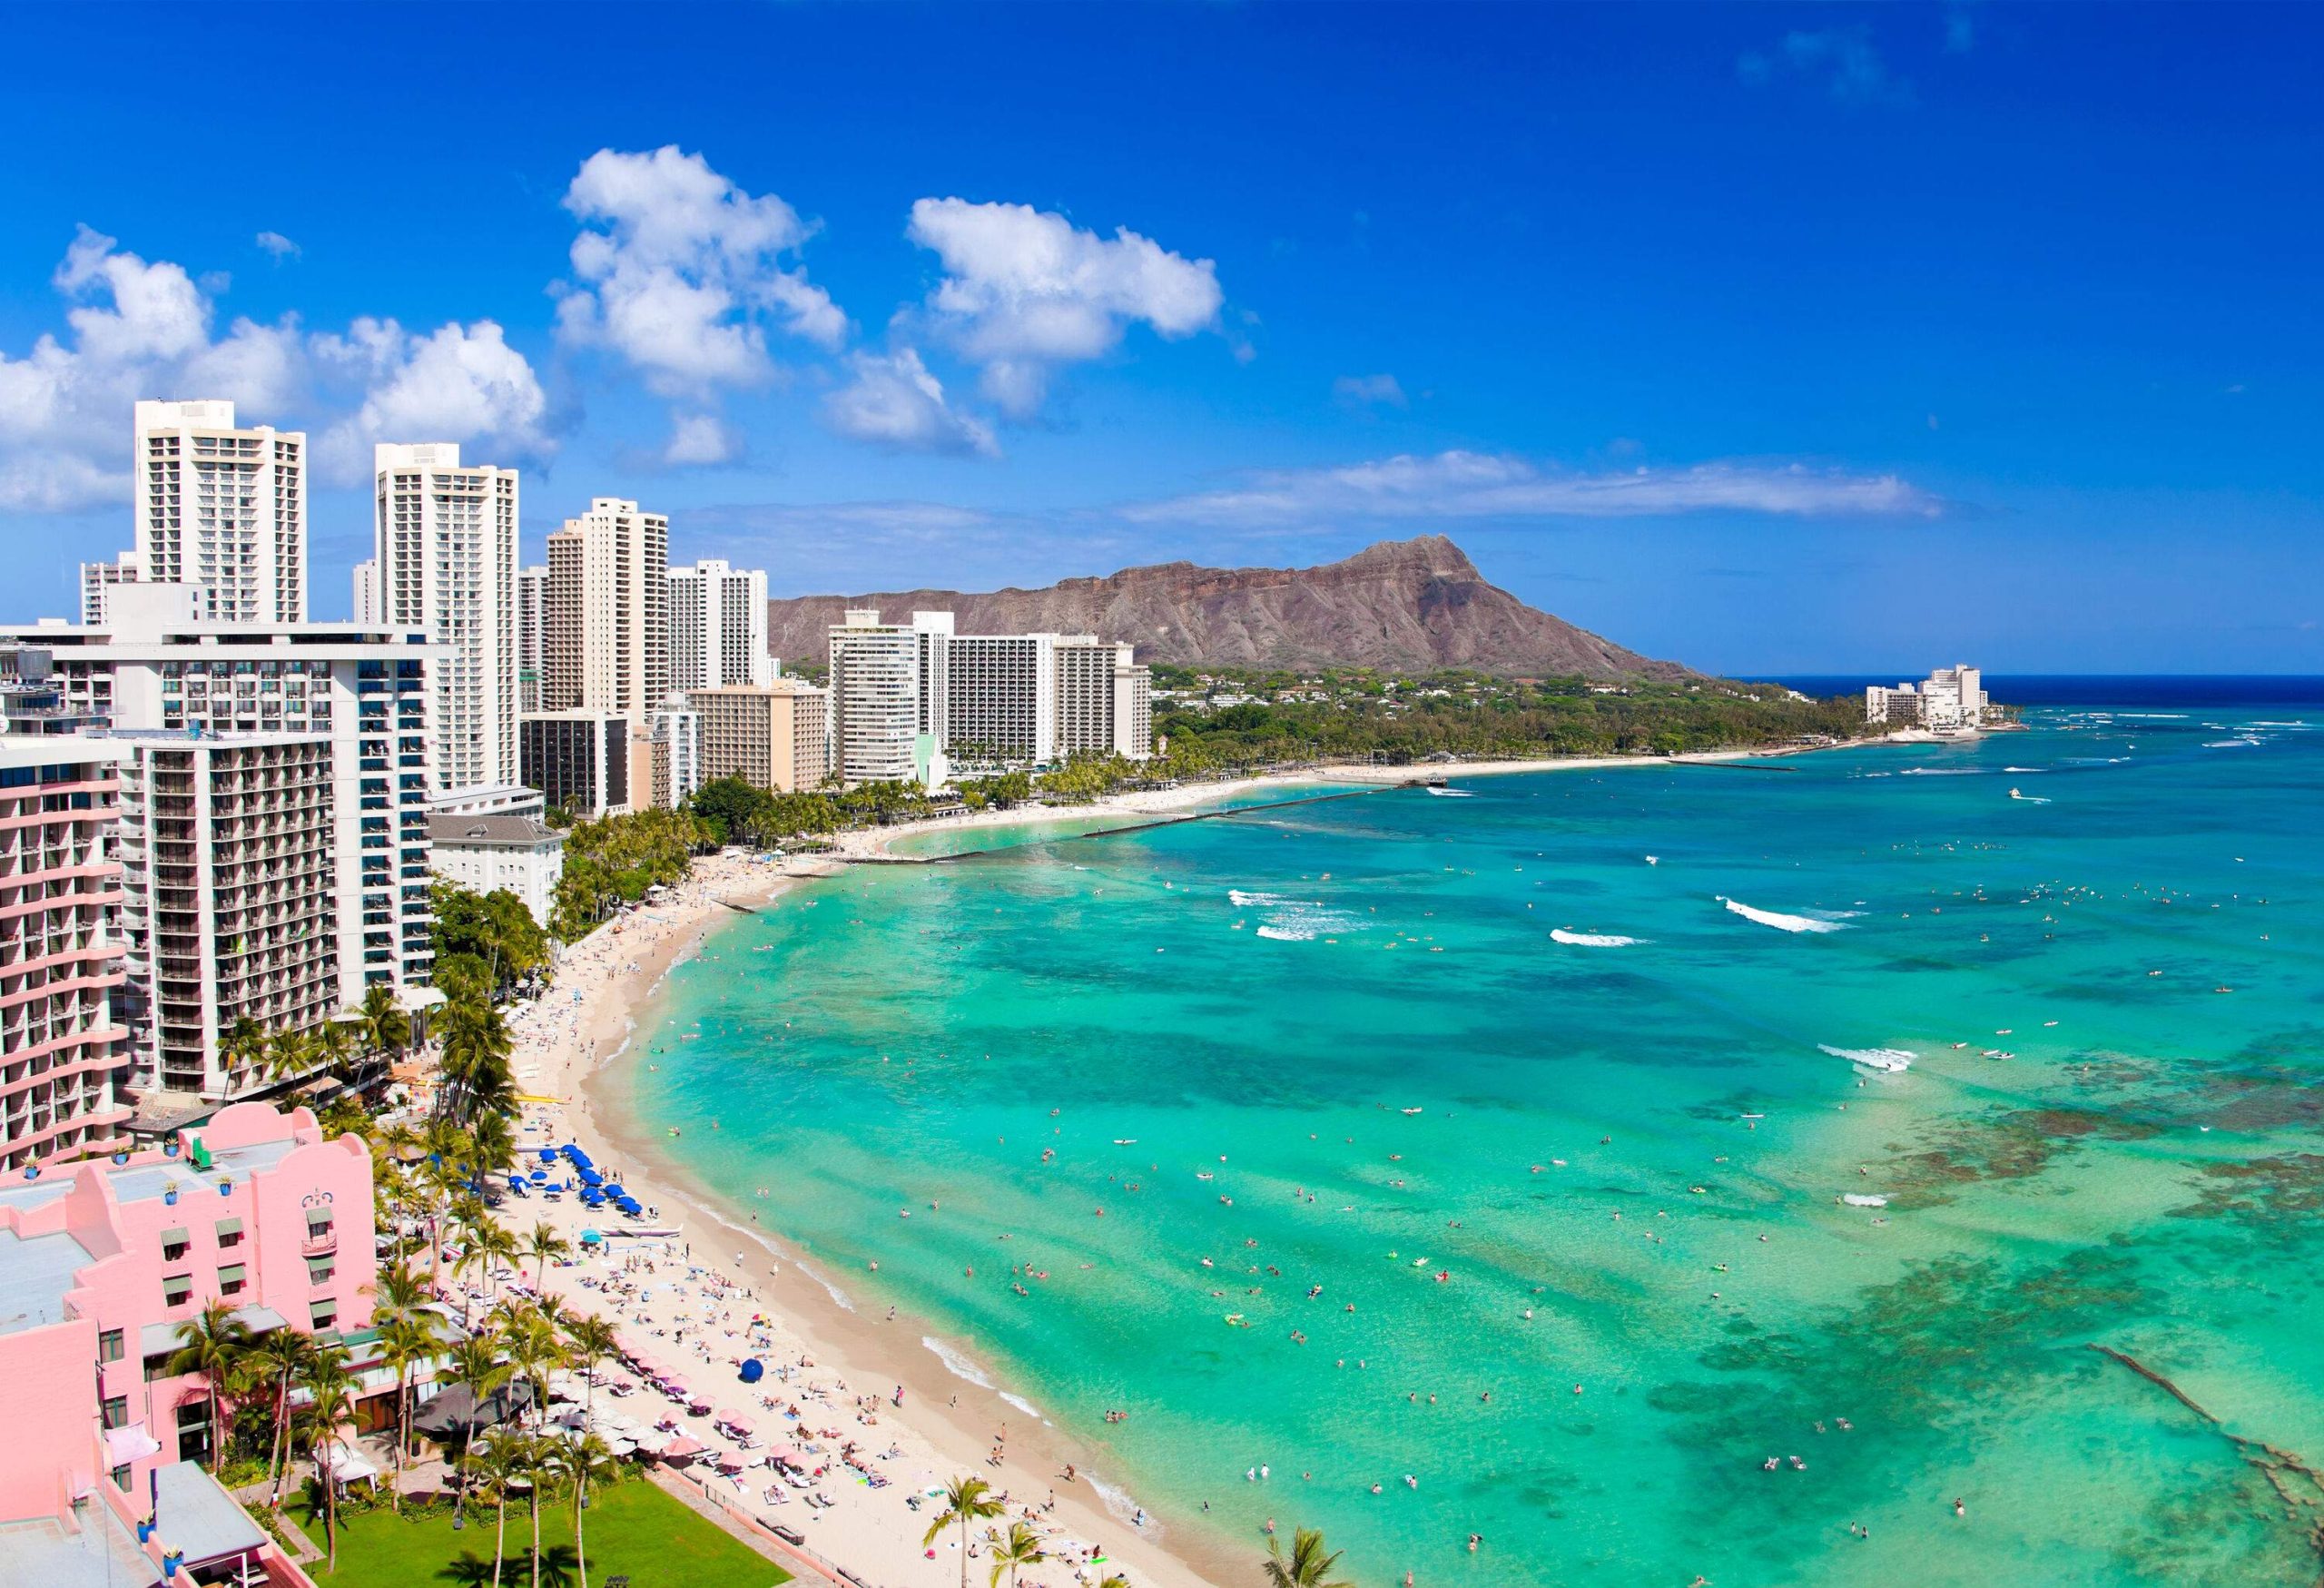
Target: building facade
{"x":229,"y":843}
{"x":718,"y":627}
{"x":605,"y":639}
{"x":62,"y":1056}
{"x":446,"y":536}
{"x":1104,"y":699}
{"x":487,"y":853}
{"x":579,"y":760}
{"x":97,"y":579}
{"x":363,"y":690}
{"x":1949,"y":700}
{"x":887,"y":691}
{"x":222,"y":509}
{"x":364,"y":593}
{"x":102,"y":1260}
{"x":532,"y":604}
{"x":774,"y":736}
{"x":674,"y":740}
{"x":1001,"y":698}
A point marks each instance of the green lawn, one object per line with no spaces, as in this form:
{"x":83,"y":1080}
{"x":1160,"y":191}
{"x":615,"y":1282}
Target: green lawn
{"x":633,"y":1528}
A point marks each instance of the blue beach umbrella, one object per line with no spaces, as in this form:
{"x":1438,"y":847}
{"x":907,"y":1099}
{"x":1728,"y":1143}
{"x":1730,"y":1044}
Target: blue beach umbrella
{"x":753,"y":1370}
{"x":590,"y":1238}
{"x":549,"y":1155}
{"x":615,"y":1190}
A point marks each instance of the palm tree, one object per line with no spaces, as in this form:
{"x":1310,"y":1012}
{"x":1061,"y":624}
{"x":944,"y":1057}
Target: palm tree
{"x":532,"y":1458}
{"x":543,"y":1245}
{"x":475,"y":1061}
{"x":277,"y":1357}
{"x":497,"y":1473}
{"x":407,"y":1339}
{"x":591,"y":1340}
{"x":493,"y":1145}
{"x":244,"y":1044}
{"x":333,"y":1388}
{"x":579,"y":1461}
{"x":1308,"y":1567}
{"x":966,"y":1500}
{"x":331,"y":1043}
{"x":212,"y":1343}
{"x":1020,"y":1549}
{"x":489,"y":1246}
{"x":534,"y":1353}
{"x":288,"y":1053}
{"x":380,"y":1022}
{"x":475,"y":1362}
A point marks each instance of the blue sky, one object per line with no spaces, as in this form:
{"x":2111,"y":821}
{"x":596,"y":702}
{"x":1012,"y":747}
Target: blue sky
{"x":1772,"y":338}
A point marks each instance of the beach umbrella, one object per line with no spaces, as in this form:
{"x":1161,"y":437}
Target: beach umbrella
{"x":752,"y":1370}
{"x":549,"y":1155}
{"x":590,"y":1238}
{"x":592,"y":1177}
{"x":539,"y":1174}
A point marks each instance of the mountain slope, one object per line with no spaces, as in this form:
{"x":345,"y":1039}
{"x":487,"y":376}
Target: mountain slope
{"x":1400,"y":606}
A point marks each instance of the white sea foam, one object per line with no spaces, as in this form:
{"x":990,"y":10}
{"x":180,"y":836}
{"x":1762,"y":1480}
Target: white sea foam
{"x":1590,"y":939}
{"x":1287,"y":933}
{"x":830,"y":1289}
{"x":1888,"y":1059}
{"x":1863,"y":1200}
{"x":1945,"y":772}
{"x":1119,"y":1503}
{"x":1024,"y":1406}
{"x":1243,"y":901}
{"x":2020,"y":769}
{"x":1781,"y":922}
{"x":2227,"y":744}
{"x":955,"y":1363}
{"x":1289,"y":919}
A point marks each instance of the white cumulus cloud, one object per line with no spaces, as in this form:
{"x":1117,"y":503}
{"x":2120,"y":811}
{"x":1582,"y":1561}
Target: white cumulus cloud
{"x":1025,"y":290}
{"x":135,"y":328}
{"x":280,"y":246}
{"x":1477,"y":485}
{"x":701,"y":439}
{"x":894,"y":401}
{"x":456,"y":383}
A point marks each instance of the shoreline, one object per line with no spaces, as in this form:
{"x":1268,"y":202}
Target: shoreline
{"x":572,"y":1064}
{"x":1180,"y":803}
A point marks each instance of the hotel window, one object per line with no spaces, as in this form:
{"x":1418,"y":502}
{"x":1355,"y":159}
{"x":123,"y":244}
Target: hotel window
{"x":176,"y":1288}
{"x":322,"y":1315}
{"x":157,"y":1365}
{"x":120,"y":1477}
{"x":108,"y":1349}
{"x":320,"y":1270}
{"x":116,"y":1409}
{"x":230,"y":1232}
{"x":232,"y":1279}
{"x":317,"y":1223}
{"x":175,"y":1243}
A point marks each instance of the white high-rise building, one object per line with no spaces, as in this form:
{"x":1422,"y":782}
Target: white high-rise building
{"x":98,"y":580}
{"x":718,"y":627}
{"x":363,"y":693}
{"x":532,"y":619}
{"x":674,"y":738}
{"x":887,"y":691}
{"x":447,"y":552}
{"x":605,"y":630}
{"x":365,"y":590}
{"x":222,"y":509}
{"x":1104,"y":699}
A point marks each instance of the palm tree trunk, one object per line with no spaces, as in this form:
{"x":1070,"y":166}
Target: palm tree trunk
{"x":580,"y":1503}
{"x":501,"y":1543}
{"x":279,"y":1458}
{"x":964,"y":1552}
{"x":330,"y":1517}
{"x":395,"y":1494}
{"x":537,"y":1530}
{"x":217,"y":1434}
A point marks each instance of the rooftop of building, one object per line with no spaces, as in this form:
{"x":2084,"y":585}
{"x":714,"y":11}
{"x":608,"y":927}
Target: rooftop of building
{"x":197,"y":1518}
{"x":34,"y":1275}
{"x":490,"y":831}
{"x":102,"y":1554}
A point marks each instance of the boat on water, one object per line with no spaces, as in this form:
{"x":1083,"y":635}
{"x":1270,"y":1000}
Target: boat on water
{"x":1654,"y":860}
{"x":1442,"y":793}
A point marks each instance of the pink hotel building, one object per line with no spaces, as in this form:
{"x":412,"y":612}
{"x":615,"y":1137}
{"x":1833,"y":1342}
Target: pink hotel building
{"x":100,"y":1261}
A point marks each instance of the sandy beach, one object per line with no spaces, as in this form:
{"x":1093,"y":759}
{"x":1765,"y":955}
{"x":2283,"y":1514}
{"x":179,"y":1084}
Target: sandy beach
{"x":691,"y":1299}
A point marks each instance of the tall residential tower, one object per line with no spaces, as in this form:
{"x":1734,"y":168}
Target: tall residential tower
{"x":224,"y":510}
{"x":606,"y":637}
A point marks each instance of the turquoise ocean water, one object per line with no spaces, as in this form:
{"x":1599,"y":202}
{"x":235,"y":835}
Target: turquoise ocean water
{"x":1339,"y":1045}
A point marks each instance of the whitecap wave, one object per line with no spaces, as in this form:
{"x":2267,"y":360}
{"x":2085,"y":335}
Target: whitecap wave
{"x":830,"y":1289}
{"x":1590,"y":939}
{"x":1889,"y":1059}
{"x":1289,"y":919}
{"x":2229,"y":744}
{"x":1287,"y":933}
{"x":1024,"y":1406}
{"x":1120,"y":1505}
{"x":1944,"y":772}
{"x":1782,"y":923}
{"x":955,"y":1363}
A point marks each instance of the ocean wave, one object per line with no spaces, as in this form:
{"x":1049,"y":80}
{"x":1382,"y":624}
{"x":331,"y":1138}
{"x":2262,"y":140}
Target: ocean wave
{"x":1120,"y":1505}
{"x":1782,"y":923}
{"x":1245,"y":901}
{"x":1942,"y":771}
{"x":1290,"y":920}
{"x":1287,"y":933}
{"x":1589,"y":940}
{"x":2020,"y":769}
{"x":2229,"y":744}
{"x":1024,"y":1406}
{"x":1889,"y":1059}
{"x":830,"y":1289}
{"x":958,"y":1365}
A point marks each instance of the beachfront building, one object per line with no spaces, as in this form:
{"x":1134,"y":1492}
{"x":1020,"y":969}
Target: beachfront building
{"x":446,"y":543}
{"x":488,"y":853}
{"x":1949,"y":700}
{"x":606,"y":625}
{"x":61,"y":1050}
{"x":32,"y":702}
{"x":718,"y":627}
{"x":98,"y":578}
{"x":230,"y":910}
{"x":579,"y":760}
{"x":674,"y":748}
{"x":222,"y":509}
{"x":887,"y":698}
{"x":1104,"y":699}
{"x":774,"y":736}
{"x":532,"y":604}
{"x":1001,"y":698}
{"x":100,"y":1262}
{"x":157,"y":674}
